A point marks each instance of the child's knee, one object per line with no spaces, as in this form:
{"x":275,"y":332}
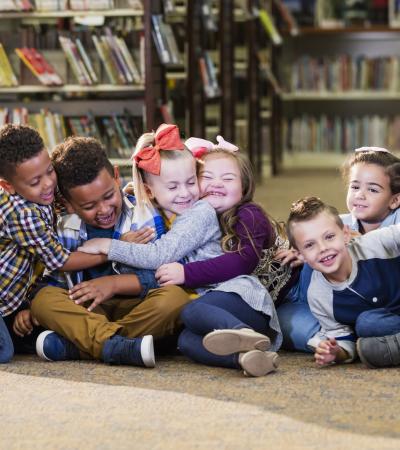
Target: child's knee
{"x":366,"y":324}
{"x":45,"y":299}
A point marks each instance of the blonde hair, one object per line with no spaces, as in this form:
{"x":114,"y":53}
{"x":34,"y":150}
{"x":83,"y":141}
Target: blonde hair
{"x":140,"y":177}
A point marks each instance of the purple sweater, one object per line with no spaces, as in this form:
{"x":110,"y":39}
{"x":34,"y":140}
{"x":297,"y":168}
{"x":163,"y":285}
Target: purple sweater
{"x":251,"y":220}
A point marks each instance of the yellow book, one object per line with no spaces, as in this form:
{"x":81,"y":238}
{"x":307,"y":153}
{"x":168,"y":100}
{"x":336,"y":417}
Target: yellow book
{"x":7,"y":76}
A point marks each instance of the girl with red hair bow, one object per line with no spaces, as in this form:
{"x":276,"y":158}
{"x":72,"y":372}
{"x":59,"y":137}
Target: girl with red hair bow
{"x":164,"y":175}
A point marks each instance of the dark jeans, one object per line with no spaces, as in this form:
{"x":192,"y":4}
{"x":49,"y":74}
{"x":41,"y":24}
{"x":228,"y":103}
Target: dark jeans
{"x":377,"y":322}
{"x":217,"y":310}
{"x":27,"y":343}
{"x":297,"y":323}
{"x":6,"y":345}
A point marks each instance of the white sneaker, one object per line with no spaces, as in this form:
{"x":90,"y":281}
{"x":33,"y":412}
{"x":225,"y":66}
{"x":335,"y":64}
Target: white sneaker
{"x":225,"y":342}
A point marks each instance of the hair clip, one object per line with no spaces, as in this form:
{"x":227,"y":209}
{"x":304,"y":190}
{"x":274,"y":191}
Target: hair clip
{"x":371,"y":149}
{"x":200,"y":146}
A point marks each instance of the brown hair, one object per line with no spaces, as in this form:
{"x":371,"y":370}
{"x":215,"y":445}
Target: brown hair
{"x":389,"y":162}
{"x":18,"y":143}
{"x":306,"y":209}
{"x":228,"y":219}
{"x":78,"y":161}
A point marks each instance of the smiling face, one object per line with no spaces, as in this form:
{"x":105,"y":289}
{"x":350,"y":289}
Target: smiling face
{"x":176,"y":188}
{"x":369,"y":197}
{"x":34,"y":179}
{"x":220,"y":182}
{"x":322,"y":243}
{"x":98,"y":203}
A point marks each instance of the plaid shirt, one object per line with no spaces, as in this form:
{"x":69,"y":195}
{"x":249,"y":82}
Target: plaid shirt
{"x":27,"y":237}
{"x":72,"y":233}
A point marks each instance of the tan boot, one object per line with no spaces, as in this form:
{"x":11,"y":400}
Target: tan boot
{"x":225,"y":342}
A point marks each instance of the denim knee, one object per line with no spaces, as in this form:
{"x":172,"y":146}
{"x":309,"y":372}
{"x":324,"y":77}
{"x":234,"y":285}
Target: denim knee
{"x":377,"y":322}
{"x":6,"y":344}
{"x":188,"y":313}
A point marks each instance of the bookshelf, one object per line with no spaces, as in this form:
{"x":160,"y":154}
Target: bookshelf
{"x":117,"y":109}
{"x":241,"y":104}
{"x":340,"y":82}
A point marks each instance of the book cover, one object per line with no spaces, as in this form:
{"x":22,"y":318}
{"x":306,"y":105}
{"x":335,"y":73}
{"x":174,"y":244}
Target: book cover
{"x":269,"y":26}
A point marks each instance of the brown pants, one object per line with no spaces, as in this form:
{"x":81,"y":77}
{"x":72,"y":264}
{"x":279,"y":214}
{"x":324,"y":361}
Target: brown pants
{"x":156,"y":314}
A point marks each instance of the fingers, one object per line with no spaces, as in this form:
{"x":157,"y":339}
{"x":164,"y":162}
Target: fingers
{"x":88,"y":249}
{"x":142,"y":236}
{"x":22,"y":324}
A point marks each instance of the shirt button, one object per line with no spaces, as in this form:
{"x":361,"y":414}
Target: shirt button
{"x":374,"y":299}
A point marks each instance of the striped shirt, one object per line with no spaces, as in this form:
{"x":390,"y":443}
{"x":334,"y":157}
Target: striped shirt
{"x":27,"y":237}
{"x":72,"y":233}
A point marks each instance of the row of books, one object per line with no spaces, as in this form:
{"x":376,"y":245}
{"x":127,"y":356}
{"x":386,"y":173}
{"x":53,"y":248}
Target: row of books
{"x":118,"y":133}
{"x":62,"y":5}
{"x":340,"y":134}
{"x":165,"y":42}
{"x":118,"y":62}
{"x":344,"y":73}
{"x":209,"y":76}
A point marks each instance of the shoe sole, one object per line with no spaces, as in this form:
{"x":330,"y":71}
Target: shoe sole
{"x":362,"y":358}
{"x":40,"y":344}
{"x":147,"y":351}
{"x":226,"y":342}
{"x":256,"y":363}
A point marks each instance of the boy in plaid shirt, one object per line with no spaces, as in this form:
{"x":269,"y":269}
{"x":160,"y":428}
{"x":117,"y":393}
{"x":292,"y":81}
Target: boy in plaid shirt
{"x":108,"y":313}
{"x":27,"y":237}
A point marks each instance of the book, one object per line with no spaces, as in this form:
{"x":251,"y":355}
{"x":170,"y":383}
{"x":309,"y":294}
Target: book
{"x":7,"y":76}
{"x":75,"y":62}
{"x":129,"y":60}
{"x":86,"y":61}
{"x":269,"y":26}
{"x":104,"y":59}
{"x":86,"y":5}
{"x":39,"y":66}
{"x":287,"y":16}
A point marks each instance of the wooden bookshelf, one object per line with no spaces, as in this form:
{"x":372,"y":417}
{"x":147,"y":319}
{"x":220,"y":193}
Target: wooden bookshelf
{"x":123,"y":12}
{"x":341,"y":96}
{"x":74,"y":100}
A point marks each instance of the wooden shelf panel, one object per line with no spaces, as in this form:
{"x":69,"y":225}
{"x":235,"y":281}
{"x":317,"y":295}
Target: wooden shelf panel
{"x":121,"y":162}
{"x":126,"y":12}
{"x":371,"y":29}
{"x":341,"y":96}
{"x":99,"y":88}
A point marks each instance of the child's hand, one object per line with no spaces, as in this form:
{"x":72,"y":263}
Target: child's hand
{"x":98,"y":290}
{"x":128,"y":189}
{"x":142,"y":236}
{"x":290,"y":256}
{"x":327,"y":352}
{"x":96,"y":246}
{"x":172,"y":273}
{"x":24,"y":323}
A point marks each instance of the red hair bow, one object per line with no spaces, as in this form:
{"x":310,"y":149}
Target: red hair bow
{"x":166,"y":138}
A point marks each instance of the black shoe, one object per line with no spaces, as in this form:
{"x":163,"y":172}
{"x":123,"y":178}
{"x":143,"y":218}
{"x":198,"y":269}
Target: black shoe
{"x":382,"y":351}
{"x":50,"y":346}
{"x":135,"y":351}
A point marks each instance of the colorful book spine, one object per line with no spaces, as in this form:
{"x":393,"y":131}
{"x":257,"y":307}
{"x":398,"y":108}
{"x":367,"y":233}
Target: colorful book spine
{"x":269,"y":26}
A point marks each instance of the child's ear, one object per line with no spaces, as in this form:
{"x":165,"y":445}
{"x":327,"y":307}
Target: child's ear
{"x":117,"y":176}
{"x":394,"y":202}
{"x":7,"y":186}
{"x":347,"y":234}
{"x":149,"y":191}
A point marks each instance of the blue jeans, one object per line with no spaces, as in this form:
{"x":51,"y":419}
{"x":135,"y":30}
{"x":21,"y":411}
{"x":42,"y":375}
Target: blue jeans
{"x":217,"y":310}
{"x":377,"y":322}
{"x":297,"y":323}
{"x":6,"y":345}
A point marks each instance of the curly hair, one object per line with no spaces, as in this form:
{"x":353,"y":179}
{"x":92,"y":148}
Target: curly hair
{"x":78,"y":161}
{"x":389,"y":162}
{"x":308,"y":208}
{"x":18,"y":143}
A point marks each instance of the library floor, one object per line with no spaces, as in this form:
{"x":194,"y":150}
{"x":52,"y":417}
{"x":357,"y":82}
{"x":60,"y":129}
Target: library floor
{"x":179,"y":404}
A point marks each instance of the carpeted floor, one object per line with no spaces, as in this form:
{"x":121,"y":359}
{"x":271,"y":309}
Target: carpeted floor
{"x":74,"y":405}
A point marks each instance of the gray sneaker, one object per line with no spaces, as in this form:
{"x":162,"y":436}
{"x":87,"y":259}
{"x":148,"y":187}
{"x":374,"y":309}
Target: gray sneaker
{"x":377,"y":352}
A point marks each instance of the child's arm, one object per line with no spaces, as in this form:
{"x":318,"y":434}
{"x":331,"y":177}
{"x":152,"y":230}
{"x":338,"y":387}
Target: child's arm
{"x":103,"y":288}
{"x":190,"y":231}
{"x":329,"y":351}
{"x":30,"y":231}
{"x":251,"y":222}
